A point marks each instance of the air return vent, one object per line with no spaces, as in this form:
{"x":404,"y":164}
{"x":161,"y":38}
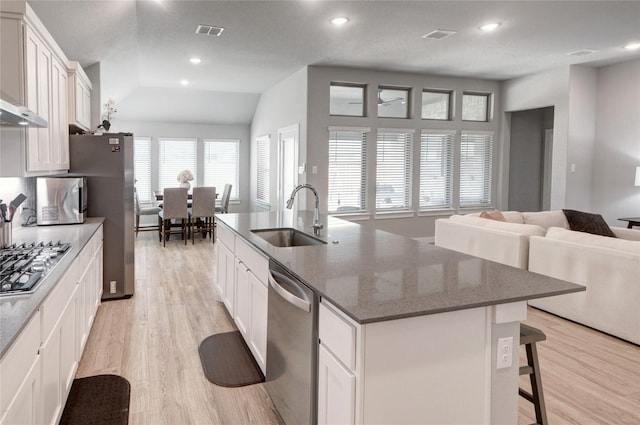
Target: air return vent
{"x":583,"y":52}
{"x":439,"y":34}
{"x":209,"y":30}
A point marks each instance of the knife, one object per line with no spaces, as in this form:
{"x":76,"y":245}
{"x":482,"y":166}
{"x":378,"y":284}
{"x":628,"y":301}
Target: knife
{"x":13,"y":206}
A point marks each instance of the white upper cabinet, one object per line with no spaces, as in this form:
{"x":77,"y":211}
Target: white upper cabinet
{"x":79,"y":97}
{"x":34,"y":74}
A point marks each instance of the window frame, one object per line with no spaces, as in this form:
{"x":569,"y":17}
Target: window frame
{"x":487,"y":97}
{"x":362,"y":86}
{"x":266,"y":168}
{"x":448,"y":157}
{"x":235,"y":183}
{"x":161,"y":141}
{"x":450,"y":98}
{"x":407,"y":99}
{"x":488,"y":187}
{"x":407,"y":204}
{"x":363,"y":186}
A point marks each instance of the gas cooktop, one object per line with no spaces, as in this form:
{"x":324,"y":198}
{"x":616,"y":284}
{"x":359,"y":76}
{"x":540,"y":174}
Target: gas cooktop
{"x":23,"y":266}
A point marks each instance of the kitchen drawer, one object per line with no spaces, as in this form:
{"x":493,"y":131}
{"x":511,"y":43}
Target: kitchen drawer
{"x":17,"y":362}
{"x":254,"y":260}
{"x":337,"y":335}
{"x":57,"y":300}
{"x":226,"y":236}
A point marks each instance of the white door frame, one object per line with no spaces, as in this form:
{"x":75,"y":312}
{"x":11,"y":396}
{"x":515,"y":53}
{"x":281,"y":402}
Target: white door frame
{"x":286,"y":134}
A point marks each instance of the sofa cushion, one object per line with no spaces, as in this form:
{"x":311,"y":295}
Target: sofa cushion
{"x":587,"y":222}
{"x":546,"y":219}
{"x":492,"y":215}
{"x":521,"y":229}
{"x":597,"y":241}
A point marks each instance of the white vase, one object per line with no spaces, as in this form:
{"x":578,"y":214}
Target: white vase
{"x":186,"y":185}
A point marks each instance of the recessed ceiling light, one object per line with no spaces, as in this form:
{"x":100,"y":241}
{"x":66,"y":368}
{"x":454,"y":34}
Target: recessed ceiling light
{"x":195,"y":61}
{"x":340,"y":20}
{"x":490,"y":26}
{"x":632,"y":46}
{"x":184,"y":82}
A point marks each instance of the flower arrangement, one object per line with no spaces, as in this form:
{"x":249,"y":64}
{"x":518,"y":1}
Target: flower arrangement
{"x":185,"y":176}
{"x":109,"y":114}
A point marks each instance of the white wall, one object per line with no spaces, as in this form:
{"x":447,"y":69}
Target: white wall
{"x":282,"y":105}
{"x":319,"y":121}
{"x":157,"y":130}
{"x":550,"y":88}
{"x":581,"y":137}
{"x":617,"y":142}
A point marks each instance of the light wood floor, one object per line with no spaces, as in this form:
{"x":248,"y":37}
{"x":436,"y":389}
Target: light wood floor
{"x":152,"y":339}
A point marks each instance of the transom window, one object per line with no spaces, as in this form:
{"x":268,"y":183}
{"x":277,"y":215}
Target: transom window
{"x":347,"y":99}
{"x":436,"y":105}
{"x":475,"y":107}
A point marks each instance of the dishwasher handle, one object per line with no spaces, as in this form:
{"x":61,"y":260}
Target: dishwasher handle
{"x":280,"y":283}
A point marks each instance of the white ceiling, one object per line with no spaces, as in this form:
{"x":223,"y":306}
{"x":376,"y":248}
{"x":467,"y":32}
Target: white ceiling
{"x":144,"y":46}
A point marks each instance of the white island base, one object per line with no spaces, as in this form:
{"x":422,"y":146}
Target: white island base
{"x":434,"y":369}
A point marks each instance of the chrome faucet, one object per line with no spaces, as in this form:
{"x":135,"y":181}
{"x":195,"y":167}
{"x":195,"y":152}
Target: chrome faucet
{"x":316,"y":212}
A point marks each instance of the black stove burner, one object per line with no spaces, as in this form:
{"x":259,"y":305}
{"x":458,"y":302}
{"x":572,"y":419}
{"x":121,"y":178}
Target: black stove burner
{"x":23,"y":266}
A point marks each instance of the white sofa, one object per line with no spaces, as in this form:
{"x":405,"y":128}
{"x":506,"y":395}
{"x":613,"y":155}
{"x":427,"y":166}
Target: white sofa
{"x":608,"y":267}
{"x":541,"y":242}
{"x":502,"y":242}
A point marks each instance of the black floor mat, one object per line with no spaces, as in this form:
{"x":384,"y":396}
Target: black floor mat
{"x":227,"y":361}
{"x":97,"y":400}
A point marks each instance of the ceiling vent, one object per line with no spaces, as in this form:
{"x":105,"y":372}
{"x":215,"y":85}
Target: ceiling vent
{"x":439,"y":34}
{"x":583,"y":52}
{"x":209,"y":30}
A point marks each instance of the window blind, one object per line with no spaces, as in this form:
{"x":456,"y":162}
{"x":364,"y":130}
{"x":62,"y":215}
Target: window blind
{"x":263,"y":170}
{"x":142,"y":168}
{"x":436,"y":170}
{"x":393,"y":176}
{"x":173,"y":157}
{"x":221,"y":164}
{"x":347,"y":171}
{"x":476,"y":151}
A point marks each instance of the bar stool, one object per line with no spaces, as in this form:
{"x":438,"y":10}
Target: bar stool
{"x":528,"y":337}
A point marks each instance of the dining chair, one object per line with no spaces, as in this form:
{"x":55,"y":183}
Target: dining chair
{"x":174,"y":208}
{"x":203,"y":211}
{"x":154,"y":210}
{"x":224,"y":202}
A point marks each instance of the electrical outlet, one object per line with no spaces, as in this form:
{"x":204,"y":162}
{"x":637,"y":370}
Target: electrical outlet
{"x":505,"y":353}
{"x":112,"y":287}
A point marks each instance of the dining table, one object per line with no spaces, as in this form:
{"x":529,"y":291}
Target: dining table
{"x":159,"y":196}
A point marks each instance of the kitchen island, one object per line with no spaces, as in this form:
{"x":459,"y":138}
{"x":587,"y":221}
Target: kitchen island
{"x":408,"y":332}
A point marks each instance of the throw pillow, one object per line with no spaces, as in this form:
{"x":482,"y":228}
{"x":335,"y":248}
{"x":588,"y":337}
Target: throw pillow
{"x":588,"y":223}
{"x":493,"y":215}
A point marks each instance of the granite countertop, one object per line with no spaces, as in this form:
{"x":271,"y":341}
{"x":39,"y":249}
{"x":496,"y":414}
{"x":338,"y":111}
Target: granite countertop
{"x":373,"y":276}
{"x":17,"y":310}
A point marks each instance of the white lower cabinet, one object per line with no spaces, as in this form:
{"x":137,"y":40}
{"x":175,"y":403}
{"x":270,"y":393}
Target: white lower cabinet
{"x":242,"y":285}
{"x":38,"y":369}
{"x":336,"y":390}
{"x":21,"y":383}
{"x":243,"y":297}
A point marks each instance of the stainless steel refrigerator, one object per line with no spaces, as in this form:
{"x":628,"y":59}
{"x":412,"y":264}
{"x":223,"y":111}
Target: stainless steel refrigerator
{"x":107,"y":162}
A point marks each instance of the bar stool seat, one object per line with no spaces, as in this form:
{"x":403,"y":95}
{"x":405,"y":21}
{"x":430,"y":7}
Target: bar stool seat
{"x":529,"y":336}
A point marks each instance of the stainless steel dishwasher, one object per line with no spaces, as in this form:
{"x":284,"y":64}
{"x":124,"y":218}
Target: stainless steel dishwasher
{"x":292,"y":347}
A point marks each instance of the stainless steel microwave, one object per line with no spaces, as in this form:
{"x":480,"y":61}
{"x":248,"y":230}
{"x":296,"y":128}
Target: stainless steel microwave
{"x":61,"y":200}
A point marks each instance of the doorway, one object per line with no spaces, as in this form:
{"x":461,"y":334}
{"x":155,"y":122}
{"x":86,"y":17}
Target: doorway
{"x":530,"y":156}
{"x":287,"y":163}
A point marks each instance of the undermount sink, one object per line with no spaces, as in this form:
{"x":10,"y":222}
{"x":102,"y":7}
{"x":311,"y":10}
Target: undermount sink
{"x":287,"y":237}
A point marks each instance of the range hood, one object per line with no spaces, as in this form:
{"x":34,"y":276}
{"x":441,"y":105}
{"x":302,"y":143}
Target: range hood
{"x":19,"y":116}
